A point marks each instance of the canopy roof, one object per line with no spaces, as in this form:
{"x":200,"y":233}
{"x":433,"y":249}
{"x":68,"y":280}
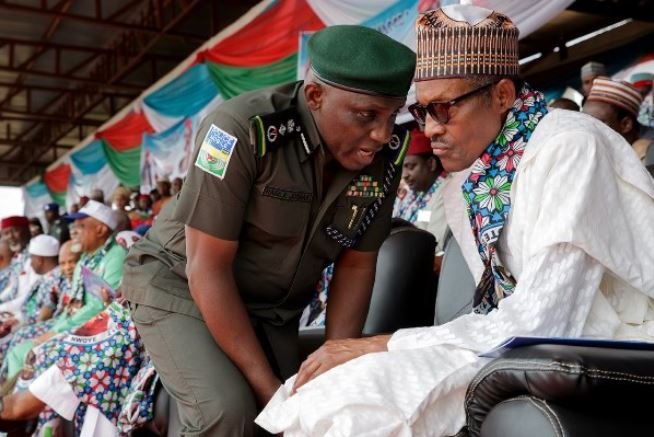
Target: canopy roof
{"x":67,"y":66}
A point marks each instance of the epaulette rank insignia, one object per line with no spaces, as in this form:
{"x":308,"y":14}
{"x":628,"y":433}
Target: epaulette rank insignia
{"x":398,"y":145}
{"x":271,"y":131}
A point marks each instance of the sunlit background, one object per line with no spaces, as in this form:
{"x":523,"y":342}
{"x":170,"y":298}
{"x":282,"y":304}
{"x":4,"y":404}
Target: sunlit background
{"x":11,"y":201}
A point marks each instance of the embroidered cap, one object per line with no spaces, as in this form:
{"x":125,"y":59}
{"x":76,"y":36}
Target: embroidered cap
{"x":642,"y":80}
{"x":465,"y":40}
{"x":420,"y":144}
{"x":621,"y":94}
{"x":44,"y":245}
{"x":362,"y":60}
{"x":593,"y":68}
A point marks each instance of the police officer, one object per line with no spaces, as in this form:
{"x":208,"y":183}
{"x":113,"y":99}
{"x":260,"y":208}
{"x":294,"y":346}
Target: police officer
{"x":285,"y":181}
{"x":57,"y":227}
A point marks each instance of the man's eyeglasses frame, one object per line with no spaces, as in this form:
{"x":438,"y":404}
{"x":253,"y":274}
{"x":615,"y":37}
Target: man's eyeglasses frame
{"x":440,"y":111}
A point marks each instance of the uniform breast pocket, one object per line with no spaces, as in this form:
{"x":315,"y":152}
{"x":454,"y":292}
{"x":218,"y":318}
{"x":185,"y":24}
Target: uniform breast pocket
{"x":280,"y":217}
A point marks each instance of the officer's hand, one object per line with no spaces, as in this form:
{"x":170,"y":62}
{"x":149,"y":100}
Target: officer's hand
{"x":265,"y":390}
{"x":336,"y":352}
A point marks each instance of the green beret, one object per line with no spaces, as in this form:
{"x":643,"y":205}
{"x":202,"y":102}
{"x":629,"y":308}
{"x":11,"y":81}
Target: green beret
{"x":363,"y":60}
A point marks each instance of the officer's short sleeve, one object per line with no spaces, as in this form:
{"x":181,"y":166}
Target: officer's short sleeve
{"x":381,"y":226}
{"x":220,"y":178}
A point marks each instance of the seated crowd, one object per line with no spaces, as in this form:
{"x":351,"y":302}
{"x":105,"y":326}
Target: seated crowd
{"x":67,"y":344}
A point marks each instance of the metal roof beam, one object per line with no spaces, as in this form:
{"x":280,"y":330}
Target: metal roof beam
{"x":35,"y":87}
{"x":642,"y":10}
{"x":75,"y":79}
{"x":106,"y":73}
{"x":139,"y":26}
{"x":17,"y":115}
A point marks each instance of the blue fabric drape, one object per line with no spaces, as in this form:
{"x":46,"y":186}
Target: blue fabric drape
{"x":186,"y":95}
{"x":90,"y":159}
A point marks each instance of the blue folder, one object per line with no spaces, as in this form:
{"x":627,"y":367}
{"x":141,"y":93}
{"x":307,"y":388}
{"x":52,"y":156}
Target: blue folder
{"x":516,"y":342}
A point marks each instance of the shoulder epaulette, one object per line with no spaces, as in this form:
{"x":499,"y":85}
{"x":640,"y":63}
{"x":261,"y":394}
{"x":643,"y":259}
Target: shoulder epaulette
{"x":398,"y":145}
{"x":271,"y":131}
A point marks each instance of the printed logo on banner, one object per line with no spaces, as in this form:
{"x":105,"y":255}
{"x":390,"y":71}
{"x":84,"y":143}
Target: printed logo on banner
{"x":216,"y":151}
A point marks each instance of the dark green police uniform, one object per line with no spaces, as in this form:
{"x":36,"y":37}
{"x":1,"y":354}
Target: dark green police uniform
{"x":60,"y":230}
{"x":257,"y":179}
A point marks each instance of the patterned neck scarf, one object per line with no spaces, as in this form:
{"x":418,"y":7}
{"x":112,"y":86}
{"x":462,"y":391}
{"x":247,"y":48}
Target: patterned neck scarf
{"x":487,"y":192}
{"x":408,"y":207}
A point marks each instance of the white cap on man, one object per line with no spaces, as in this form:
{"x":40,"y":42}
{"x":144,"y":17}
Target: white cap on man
{"x":44,"y":245}
{"x":98,"y":211}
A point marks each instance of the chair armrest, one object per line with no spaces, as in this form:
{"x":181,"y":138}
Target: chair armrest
{"x":591,"y":379}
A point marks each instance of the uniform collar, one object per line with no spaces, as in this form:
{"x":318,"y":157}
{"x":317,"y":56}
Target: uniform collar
{"x":310,"y":137}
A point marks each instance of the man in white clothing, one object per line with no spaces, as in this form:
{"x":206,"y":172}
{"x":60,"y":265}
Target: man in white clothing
{"x":534,"y":187}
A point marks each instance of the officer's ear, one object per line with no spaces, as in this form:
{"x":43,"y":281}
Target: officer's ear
{"x":314,"y":93}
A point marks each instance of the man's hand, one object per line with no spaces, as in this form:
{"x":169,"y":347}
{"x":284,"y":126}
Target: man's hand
{"x":336,"y":352}
{"x":264,"y":390}
{"x":7,"y":325}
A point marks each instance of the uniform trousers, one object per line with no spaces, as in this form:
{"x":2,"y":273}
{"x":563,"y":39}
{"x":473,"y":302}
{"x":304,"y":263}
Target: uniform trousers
{"x":213,"y":397}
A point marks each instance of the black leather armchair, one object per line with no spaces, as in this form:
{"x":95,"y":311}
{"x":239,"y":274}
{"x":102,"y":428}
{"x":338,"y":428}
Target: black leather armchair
{"x":554,"y":390}
{"x":549,"y":390}
{"x":649,"y":160}
{"x":404,"y":292}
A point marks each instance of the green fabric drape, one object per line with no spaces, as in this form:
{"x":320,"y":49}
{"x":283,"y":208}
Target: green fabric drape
{"x":125,"y":165}
{"x":232,"y":81}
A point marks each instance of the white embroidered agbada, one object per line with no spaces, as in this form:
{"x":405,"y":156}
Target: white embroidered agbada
{"x":579,"y":240}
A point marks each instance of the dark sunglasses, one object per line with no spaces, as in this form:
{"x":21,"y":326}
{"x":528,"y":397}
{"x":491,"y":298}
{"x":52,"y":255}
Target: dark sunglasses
{"x":440,"y":111}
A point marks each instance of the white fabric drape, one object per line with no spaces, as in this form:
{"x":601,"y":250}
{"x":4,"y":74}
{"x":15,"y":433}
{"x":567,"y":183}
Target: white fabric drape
{"x":348,"y":11}
{"x":528,"y":15}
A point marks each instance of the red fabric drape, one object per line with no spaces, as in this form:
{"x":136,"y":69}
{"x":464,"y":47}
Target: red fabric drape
{"x":57,"y":179}
{"x":127,"y":133}
{"x":272,"y":36}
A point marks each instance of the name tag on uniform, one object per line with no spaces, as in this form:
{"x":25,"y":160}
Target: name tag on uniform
{"x":424,"y":215}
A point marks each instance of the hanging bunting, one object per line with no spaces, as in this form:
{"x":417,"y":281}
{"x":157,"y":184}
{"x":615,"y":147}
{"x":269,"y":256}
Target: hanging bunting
{"x":233,"y":81}
{"x":35,"y":196}
{"x":57,"y":182}
{"x":126,"y":133}
{"x":186,"y":95}
{"x":267,"y":39}
{"x":125,"y":165}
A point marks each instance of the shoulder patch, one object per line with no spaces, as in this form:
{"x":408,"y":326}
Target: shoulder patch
{"x":271,"y":131}
{"x":398,"y":145}
{"x":216,"y":151}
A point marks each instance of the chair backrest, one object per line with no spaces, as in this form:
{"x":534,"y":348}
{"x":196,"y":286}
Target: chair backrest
{"x":649,"y":156}
{"x":403,"y":294}
{"x":456,"y":286}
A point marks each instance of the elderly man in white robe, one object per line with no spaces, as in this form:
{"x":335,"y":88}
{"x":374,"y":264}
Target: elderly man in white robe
{"x":553,"y":214}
